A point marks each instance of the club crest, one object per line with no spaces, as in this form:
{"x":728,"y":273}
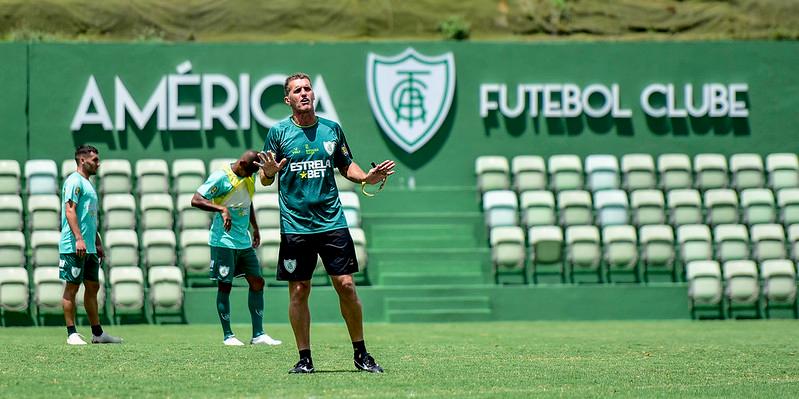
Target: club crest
{"x":75,"y":272}
{"x":224,"y":270}
{"x":290,"y":265}
{"x":329,"y":147}
{"x":410,"y":95}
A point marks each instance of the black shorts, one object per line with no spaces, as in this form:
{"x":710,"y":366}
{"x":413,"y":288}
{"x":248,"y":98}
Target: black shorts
{"x":298,"y":254}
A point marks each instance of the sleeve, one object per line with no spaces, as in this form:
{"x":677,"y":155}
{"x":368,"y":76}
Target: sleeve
{"x":342,"y":155}
{"x":212,"y":187}
{"x":272,"y":143}
{"x":72,"y":191}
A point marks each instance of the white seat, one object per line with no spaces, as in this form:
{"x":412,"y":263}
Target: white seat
{"x":44,"y":212}
{"x":195,"y":252}
{"x":583,"y":249}
{"x":270,"y":248}
{"x":219,"y":164}
{"x":611,"y":207}
{"x":166,"y":289}
{"x":768,"y":242}
{"x":648,"y":207}
{"x":711,"y":171}
{"x":10,"y":173}
{"x":638,"y":171}
{"x":743,"y":286}
{"x":704,"y":285}
{"x":14,"y":293}
{"x":779,"y":284}
{"x":507,"y":247}
{"x":722,"y":206}
{"x":783,"y":170}
{"x":602,"y":172}
{"x":48,"y":289}
{"x":675,"y":171}
{"x":156,"y":211}
{"x":788,"y":201}
{"x":538,"y":208}
{"x":115,"y":176}
{"x":575,"y":207}
{"x":565,"y":172}
{"x":121,"y":248}
{"x":267,"y":210}
{"x":152,"y":176}
{"x":529,"y":173}
{"x":359,"y":239}
{"x":44,"y":248}
{"x":190,"y":217}
{"x":351,"y":205}
{"x":685,"y":206}
{"x":12,"y":249}
{"x":119,"y":212}
{"x":501,"y":208}
{"x":159,"y":248}
{"x":42,"y":176}
{"x":758,"y":206}
{"x":747,"y":171}
{"x":620,"y":247}
{"x":492,"y":173}
{"x":657,"y":249}
{"x":10,"y":212}
{"x":695,"y":242}
{"x":732,"y":242}
{"x":188,"y":175}
{"x":127,"y":290}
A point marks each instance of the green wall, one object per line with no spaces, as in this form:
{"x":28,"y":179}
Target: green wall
{"x":59,"y":73}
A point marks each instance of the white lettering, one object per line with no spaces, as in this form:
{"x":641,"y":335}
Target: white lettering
{"x":738,"y":108}
{"x":618,"y":111}
{"x":487,"y":104}
{"x":550,"y":105}
{"x":718,"y":100}
{"x":91,"y":96}
{"x":693,"y":110}
{"x":646,"y":98}
{"x":599,"y":90}
{"x":504,"y":108}
{"x":126,"y":105}
{"x":572,"y":107}
{"x":181,"y":117}
{"x":223,"y":111}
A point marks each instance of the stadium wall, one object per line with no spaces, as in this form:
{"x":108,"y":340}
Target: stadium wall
{"x":58,"y":95}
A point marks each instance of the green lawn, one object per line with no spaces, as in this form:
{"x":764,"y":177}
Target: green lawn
{"x":509,"y":359}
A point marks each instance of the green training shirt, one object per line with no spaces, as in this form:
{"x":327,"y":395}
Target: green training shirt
{"x":79,"y":190}
{"x":308,"y":195}
{"x":224,"y":187}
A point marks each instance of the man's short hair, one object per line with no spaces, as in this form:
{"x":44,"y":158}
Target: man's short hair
{"x":85,"y":150}
{"x":293,"y":76}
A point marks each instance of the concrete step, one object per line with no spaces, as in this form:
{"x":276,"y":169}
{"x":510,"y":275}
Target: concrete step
{"x":434,"y":303}
{"x":438,"y":315}
{"x":416,"y":279}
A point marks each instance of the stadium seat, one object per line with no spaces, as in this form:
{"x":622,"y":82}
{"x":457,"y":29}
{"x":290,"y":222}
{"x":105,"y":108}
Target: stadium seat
{"x":12,"y":249}
{"x":342,"y":183}
{"x":188,"y":175}
{"x":793,"y":241}
{"x":648,"y":207}
{"x":538,"y":208}
{"x":721,"y":206}
{"x":575,"y":208}
{"x":620,"y":246}
{"x":565,"y":172}
{"x":611,"y":207}
{"x":351,"y":205}
{"x":657,"y":250}
{"x":779,"y":285}
{"x":711,"y":171}
{"x":747,"y":171}
{"x":121,"y":248}
{"x":732,"y":242}
{"x":695,"y":243}
{"x":783,"y":171}
{"x":10,"y":212}
{"x":156,"y":211}
{"x":190,"y":217}
{"x":685,"y":207}
{"x":529,"y":173}
{"x":44,"y":212}
{"x":507,"y":250}
{"x":704,"y":286}
{"x":788,"y":201}
{"x":219,"y":163}
{"x":115,"y":176}
{"x":267,"y":210}
{"x":166,"y":291}
{"x":152,"y":176}
{"x":546,"y":251}
{"x":638,"y":171}
{"x":42,"y":176}
{"x":44,"y":248}
{"x":159,"y":248}
{"x":14,"y":294}
{"x":758,"y":206}
{"x":742,"y":286}
{"x":768,"y":242}
{"x":492,"y":173}
{"x":602,"y":172}
{"x":194,"y":252}
{"x":48,"y":289}
{"x":127,"y":291}
{"x":9,"y":177}
{"x":270,"y":248}
{"x":501,"y":208}
{"x":79,"y":297}
{"x":359,"y":240}
{"x":583,"y":251}
{"x":119,"y":212}
{"x":675,"y":171}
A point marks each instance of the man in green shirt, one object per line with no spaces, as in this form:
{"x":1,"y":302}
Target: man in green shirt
{"x":80,"y":247}
{"x":303,"y":149}
{"x":228,"y":193}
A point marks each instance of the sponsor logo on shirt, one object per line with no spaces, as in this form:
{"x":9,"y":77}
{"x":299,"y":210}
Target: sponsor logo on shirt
{"x":311,"y":169}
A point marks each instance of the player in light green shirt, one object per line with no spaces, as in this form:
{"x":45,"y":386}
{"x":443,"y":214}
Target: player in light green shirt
{"x":228,"y":193}
{"x":301,"y":151}
{"x":80,"y":247}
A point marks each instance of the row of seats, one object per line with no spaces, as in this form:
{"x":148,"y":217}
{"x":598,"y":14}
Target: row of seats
{"x":127,"y":285}
{"x":742,"y":285}
{"x":116,"y":176}
{"x":622,"y":248}
{"x":637,"y":171}
{"x":641,"y":207}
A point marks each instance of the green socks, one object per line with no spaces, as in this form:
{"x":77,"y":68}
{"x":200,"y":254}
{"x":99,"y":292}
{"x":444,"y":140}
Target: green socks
{"x":223,"y":307}
{"x":255,"y":301}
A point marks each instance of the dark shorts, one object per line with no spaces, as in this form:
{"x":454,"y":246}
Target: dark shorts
{"x":227,"y":263}
{"x":298,"y":254}
{"x":74,"y":269}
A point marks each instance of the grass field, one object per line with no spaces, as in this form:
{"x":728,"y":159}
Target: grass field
{"x":509,"y":359}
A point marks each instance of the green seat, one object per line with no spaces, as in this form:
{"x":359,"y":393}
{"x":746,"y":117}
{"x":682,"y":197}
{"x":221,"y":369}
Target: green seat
{"x":44,"y":212}
{"x":685,"y":207}
{"x":501,"y":208}
{"x":166,"y":291}
{"x":638,"y":172}
{"x":48,"y":289}
{"x":783,"y":171}
{"x":788,"y":201}
{"x":195,"y":253}
{"x":188,"y":175}
{"x":351,"y":206}
{"x":41,"y":176}
{"x":793,"y":241}
{"x":10,"y":173}
{"x":721,"y":206}
{"x":747,"y":171}
{"x":675,"y":172}
{"x":157,"y":211}
{"x":742,"y":286}
{"x":10,"y":212}
{"x":121,"y":248}
{"x":538,"y":208}
{"x":768,"y":242}
{"x":189,"y":217}
{"x":267,"y":210}
{"x":583,"y":251}
{"x":575,"y":208}
{"x":269,"y":250}
{"x":758,"y":206}
{"x":612,"y":208}
{"x":779,"y":285}
{"x":507,"y":250}
{"x":152,"y":176}
{"x":710,"y":171}
{"x":695,"y":243}
{"x":492,"y":173}
{"x":12,"y":249}
{"x":620,"y":247}
{"x":704,"y":286}
{"x":359,"y":240}
{"x":732,"y":242}
{"x":119,"y":212}
{"x":127,"y":291}
{"x":565,"y":172}
{"x":159,"y":248}
{"x":218,"y":164}
{"x":602,"y":172}
{"x":14,"y":294}
{"x":546,"y":251}
{"x":115,"y":176}
{"x":648,"y":207}
{"x":44,"y":248}
{"x":529,"y":173}
{"x":657,"y":250}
